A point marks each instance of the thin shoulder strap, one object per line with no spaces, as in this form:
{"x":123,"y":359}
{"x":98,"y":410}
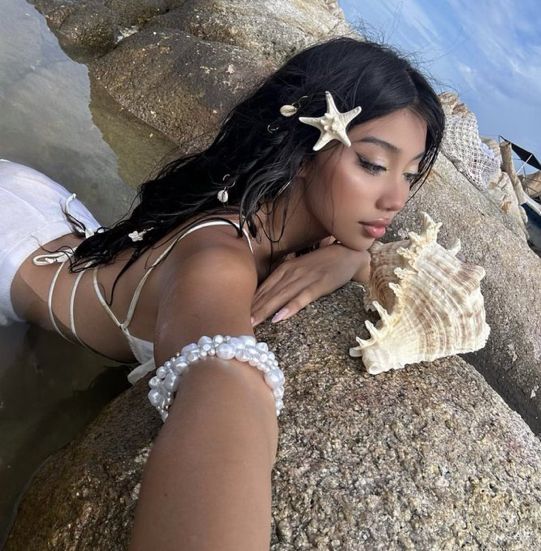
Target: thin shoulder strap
{"x":50,"y":300}
{"x":133,"y":303}
{"x":72,"y":302}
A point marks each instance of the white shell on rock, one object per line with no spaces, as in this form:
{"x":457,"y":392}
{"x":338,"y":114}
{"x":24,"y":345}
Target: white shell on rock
{"x":429,"y":301}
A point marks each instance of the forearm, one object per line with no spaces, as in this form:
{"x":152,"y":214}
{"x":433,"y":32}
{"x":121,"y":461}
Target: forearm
{"x":207,"y":484}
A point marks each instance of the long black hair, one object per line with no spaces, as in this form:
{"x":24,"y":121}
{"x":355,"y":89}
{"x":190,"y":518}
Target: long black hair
{"x":257,"y":150}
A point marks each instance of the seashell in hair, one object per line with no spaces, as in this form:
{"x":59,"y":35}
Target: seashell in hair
{"x":429,"y":302}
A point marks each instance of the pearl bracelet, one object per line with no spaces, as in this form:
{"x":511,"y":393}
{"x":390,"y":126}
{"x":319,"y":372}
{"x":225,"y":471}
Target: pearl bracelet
{"x":243,"y":348}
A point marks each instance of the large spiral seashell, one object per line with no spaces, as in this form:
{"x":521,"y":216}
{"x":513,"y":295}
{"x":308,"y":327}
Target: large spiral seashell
{"x":429,"y":302}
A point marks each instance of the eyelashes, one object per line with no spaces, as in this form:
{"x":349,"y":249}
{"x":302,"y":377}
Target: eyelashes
{"x":373,"y":169}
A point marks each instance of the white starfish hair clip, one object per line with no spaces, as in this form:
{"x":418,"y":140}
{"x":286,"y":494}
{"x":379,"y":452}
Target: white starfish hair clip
{"x":332,"y":124}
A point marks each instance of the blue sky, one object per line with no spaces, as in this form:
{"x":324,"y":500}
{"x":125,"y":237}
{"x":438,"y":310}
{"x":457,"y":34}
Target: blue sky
{"x":488,"y":51}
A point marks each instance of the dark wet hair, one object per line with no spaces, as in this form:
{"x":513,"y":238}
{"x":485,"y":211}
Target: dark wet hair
{"x":259,"y":150}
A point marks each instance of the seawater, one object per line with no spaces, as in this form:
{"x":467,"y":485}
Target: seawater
{"x":49,"y":388}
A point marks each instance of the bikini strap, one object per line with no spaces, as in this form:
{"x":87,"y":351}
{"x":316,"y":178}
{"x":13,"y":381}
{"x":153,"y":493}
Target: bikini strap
{"x":72,"y":303}
{"x":50,"y":300}
{"x":135,"y":298}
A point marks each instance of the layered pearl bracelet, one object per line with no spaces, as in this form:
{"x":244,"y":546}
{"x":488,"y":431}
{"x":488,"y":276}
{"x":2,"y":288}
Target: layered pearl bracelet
{"x":243,"y":348}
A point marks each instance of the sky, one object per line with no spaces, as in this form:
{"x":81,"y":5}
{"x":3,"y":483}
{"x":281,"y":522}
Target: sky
{"x":487,"y":51}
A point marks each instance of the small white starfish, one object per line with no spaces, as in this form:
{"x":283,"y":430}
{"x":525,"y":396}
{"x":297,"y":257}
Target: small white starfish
{"x":332,"y":124}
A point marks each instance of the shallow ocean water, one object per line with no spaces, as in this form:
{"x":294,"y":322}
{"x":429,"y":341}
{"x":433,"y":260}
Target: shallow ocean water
{"x":49,"y":388}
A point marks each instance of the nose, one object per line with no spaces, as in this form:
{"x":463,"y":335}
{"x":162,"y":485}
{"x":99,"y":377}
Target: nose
{"x":394,"y":194}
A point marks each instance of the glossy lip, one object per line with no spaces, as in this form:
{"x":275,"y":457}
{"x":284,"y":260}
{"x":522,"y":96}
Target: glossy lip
{"x":380,"y":223}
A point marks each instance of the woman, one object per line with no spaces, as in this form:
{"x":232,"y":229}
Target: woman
{"x":326,"y":149}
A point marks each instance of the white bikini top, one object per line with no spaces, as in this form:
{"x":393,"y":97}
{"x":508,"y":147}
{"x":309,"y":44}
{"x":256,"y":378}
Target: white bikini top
{"x":143,"y":350}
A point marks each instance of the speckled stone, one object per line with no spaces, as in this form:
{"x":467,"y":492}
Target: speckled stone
{"x":177,"y":83}
{"x":511,"y":360}
{"x":428,"y":457}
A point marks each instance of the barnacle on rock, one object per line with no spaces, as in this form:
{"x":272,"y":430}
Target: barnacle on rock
{"x":429,"y":302}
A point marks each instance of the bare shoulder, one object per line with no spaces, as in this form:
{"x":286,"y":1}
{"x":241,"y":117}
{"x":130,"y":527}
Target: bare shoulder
{"x":208,"y":289}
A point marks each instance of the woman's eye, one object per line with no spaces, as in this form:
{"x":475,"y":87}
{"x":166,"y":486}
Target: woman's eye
{"x":370,"y":167}
{"x":411,"y":177}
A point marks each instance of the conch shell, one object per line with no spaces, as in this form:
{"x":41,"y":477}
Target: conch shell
{"x":430,"y":303}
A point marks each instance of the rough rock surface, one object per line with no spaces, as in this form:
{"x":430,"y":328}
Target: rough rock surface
{"x":93,"y":27}
{"x":188,"y":61}
{"x":272,"y":30}
{"x":177,"y":83}
{"x":511,"y":360}
{"x":428,"y":457}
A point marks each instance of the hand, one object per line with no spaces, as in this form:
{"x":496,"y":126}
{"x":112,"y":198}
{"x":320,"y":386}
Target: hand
{"x":299,"y":281}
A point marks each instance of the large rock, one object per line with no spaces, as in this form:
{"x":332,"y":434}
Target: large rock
{"x":180,"y":65}
{"x":429,"y":457}
{"x":272,"y":30}
{"x":91,"y":28}
{"x":511,"y":360}
{"x":177,"y":83}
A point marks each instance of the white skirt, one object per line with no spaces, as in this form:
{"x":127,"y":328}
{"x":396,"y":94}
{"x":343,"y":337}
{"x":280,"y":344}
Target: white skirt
{"x":31,"y":214}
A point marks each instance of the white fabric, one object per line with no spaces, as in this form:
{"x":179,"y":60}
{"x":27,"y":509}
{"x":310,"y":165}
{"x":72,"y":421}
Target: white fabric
{"x":31,"y":216}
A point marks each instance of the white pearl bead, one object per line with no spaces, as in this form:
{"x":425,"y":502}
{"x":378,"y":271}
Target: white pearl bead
{"x":278,"y":392}
{"x":236,"y":342}
{"x":206,"y":347}
{"x":212,"y":352}
{"x":171,"y":382}
{"x":263,"y":357}
{"x":225,"y":351}
{"x":203,"y":353}
{"x":248,"y":340}
{"x":155,"y":397}
{"x":188,"y":348}
{"x":161,"y":372}
{"x":242,"y":355}
{"x":272,"y":379}
{"x":155,"y":381}
{"x":218,"y":339}
{"x":181,"y":364}
{"x":204,"y":340}
{"x":262,"y":346}
{"x":272,"y":356}
{"x":167,"y":363}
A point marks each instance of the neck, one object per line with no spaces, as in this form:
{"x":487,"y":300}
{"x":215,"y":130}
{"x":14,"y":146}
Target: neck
{"x":291,"y":228}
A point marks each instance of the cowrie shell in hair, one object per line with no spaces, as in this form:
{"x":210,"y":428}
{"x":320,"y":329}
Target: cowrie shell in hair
{"x":288,"y":110}
{"x":223,"y":196}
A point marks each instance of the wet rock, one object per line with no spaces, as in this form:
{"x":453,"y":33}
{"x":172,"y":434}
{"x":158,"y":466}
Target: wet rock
{"x":425,"y":457}
{"x":91,"y":28}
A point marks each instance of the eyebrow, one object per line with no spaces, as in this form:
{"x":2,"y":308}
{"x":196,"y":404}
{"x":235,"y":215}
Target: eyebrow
{"x":386,"y":145}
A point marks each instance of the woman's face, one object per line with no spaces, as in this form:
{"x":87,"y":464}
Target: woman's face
{"x":353,"y":192}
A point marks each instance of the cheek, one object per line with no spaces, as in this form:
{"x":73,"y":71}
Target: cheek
{"x":352,"y":191}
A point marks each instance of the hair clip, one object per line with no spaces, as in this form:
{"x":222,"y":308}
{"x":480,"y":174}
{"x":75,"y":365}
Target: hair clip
{"x":332,"y":124}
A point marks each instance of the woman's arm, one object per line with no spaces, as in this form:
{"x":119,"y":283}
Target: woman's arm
{"x":297,"y":282}
{"x":206,"y":485}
